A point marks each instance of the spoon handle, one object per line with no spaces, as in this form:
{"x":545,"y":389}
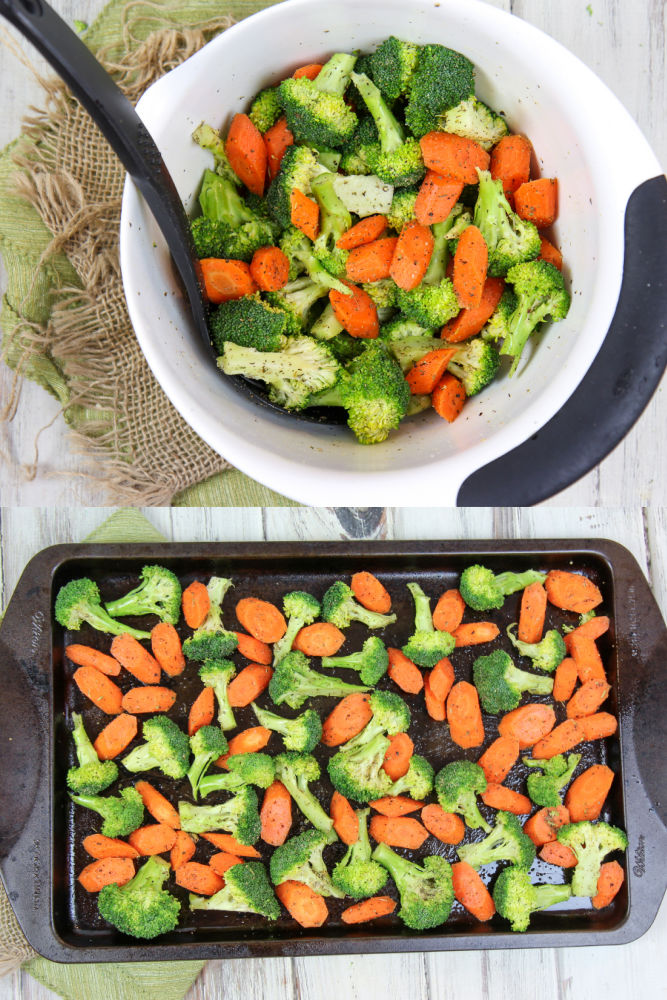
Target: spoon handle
{"x":121,"y":127}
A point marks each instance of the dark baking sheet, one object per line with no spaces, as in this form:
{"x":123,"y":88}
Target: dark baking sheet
{"x":65,"y":918}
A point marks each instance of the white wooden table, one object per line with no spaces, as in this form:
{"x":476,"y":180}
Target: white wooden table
{"x":624,"y":42}
{"x":630,"y":972}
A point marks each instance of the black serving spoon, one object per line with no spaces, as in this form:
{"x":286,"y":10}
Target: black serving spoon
{"x":136,"y":149}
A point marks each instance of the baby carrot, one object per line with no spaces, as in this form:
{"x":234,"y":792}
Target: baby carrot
{"x":196,"y":604}
{"x":498,"y":759}
{"x":106,"y":871}
{"x":587,"y":699}
{"x":249,"y":741}
{"x":561,"y":739}
{"x":319,"y":639}
{"x":436,"y":198}
{"x":277,"y":140}
{"x":102,"y":692}
{"x":464,"y":716}
{"x":222,"y":862}
{"x":246,"y":153}
{"x":370,"y":592}
{"x":202,"y":711}
{"x":453,"y":156}
{"x":544,"y":825}
{"x":99,"y":846}
{"x":347,"y":719}
{"x":610,"y":880}
{"x":435,"y":706}
{"x":448,"y":397}
{"x":412,"y":255}
{"x":261,"y":619}
{"x":249,"y":684}
{"x":269,"y":268}
{"x":136,"y":660}
{"x":403,"y":672}
{"x":572,"y":591}
{"x":399,"y":831}
{"x":86,"y":656}
{"x":225,"y":842}
{"x":528,"y":724}
{"x":585,"y":796}
{"x":471,"y":892}
{"x":276,"y":814}
{"x":166,"y":646}
{"x":395,"y":805}
{"x":344,"y":819}
{"x":532,"y":613}
{"x":427,"y":372}
{"x":555,"y":853}
{"x":510,"y":162}
{"x":448,"y":612}
{"x":304,"y":213}
{"x":148,"y":699}
{"x":115,"y":736}
{"x":310,"y":71}
{"x":447,"y":827}
{"x":199,"y":878}
{"x":565,"y":679}
{"x":158,"y":806}
{"x":499,"y":797}
{"x":441,"y":678}
{"x":368,"y":909}
{"x":302,"y":903}
{"x":356,"y":312}
{"x":475,"y":633}
{"x":470,"y":263}
{"x":253,"y":649}
{"x":371,"y":261}
{"x":537,"y":201}
{"x":550,"y":253}
{"x":598,"y":726}
{"x":365,"y":231}
{"x":226,"y":279}
{"x":183,"y":849}
{"x":156,"y":838}
{"x":398,"y":755}
{"x":587,"y":658}
{"x":468,"y":322}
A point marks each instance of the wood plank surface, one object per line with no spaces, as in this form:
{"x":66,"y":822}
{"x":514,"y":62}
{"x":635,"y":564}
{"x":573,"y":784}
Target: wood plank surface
{"x":629,"y":972}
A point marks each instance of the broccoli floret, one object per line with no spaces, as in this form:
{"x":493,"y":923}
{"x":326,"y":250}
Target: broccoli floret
{"x":329,"y":158}
{"x":516,"y":897}
{"x":404,"y":329}
{"x":384,"y":292}
{"x":341,"y":608}
{"x":541,"y":293}
{"x":483,"y":590}
{"x":545,"y":654}
{"x":418,"y":404}
{"x":238,"y":816}
{"x":294,"y":681}
{"x":358,"y":774}
{"x":122,"y":814}
{"x":92,"y":775}
{"x":505,"y":842}
{"x":300,"y":609}
{"x":374,"y":393}
{"x":296,"y":299}
{"x":207,"y":744}
{"x":345,"y":348}
{"x":475,"y":364}
{"x":166,"y":748}
{"x":334,"y":221}
{"x":220,"y":240}
{"x":355,"y":155}
{"x":266,"y":109}
{"x":391,"y":715}
{"x":239,"y":229}
{"x":355,"y":874}
{"x":244,"y":769}
{"x":498,"y":326}
{"x":300,"y":859}
{"x":442,"y":80}
{"x":500,"y":684}
{"x":79,"y":601}
{"x":246,"y":890}
{"x":209,"y":138}
{"x":591,"y":843}
{"x":326,"y":326}
{"x":556,"y":772}
{"x":417,"y":782}
{"x":461,"y":218}
{"x":457,"y":786}
{"x":217,"y":674}
{"x":295,"y":771}
{"x":159,"y":593}
{"x":249,"y":322}
{"x":402,"y":208}
{"x":301,"y":734}
{"x":211,"y":640}
{"x":141,"y":907}
{"x":301,"y":255}
{"x":315,"y":109}
{"x":510,"y":239}
{"x":370,"y":662}
{"x":426,"y":890}
{"x":427,"y":644}
{"x":301,"y":367}
{"x":474,"y":120}
{"x":392,"y":67}
{"x":397,"y":158}
{"x":297,"y":168}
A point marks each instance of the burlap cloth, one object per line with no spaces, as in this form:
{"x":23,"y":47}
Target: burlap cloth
{"x":64,"y":315}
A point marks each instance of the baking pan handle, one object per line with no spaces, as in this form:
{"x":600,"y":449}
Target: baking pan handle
{"x":615,"y":389}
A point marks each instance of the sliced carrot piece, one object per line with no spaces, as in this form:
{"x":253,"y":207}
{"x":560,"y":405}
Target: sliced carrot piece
{"x":183,"y":849}
{"x":561,"y":739}
{"x":199,"y":878}
{"x":99,"y":846}
{"x":158,"y":806}
{"x":441,"y":678}
{"x":532,"y":613}
{"x":447,"y":827}
{"x":253,"y":649}
{"x":587,"y":658}
{"x":311,"y":71}
{"x":365,"y":231}
{"x":498,"y":759}
{"x":537,"y":201}
{"x":246,"y":153}
{"x":368,"y":909}
{"x":586,"y":795}
{"x":370,"y":592}
{"x":403,"y":672}
{"x":396,"y":805}
{"x":196,"y":603}
{"x":225,"y":842}
{"x":592,"y":629}
{"x":86,"y":656}
{"x":261,"y":619}
{"x":471,"y":892}
{"x":499,"y":797}
{"x":427,"y":372}
{"x":565,"y":679}
{"x":102,"y":692}
{"x":345,"y":821}
{"x":269,"y":268}
{"x":106,"y":871}
{"x":470,"y":263}
{"x":225,"y":280}
{"x":399,"y":831}
{"x":156,"y":838}
{"x":448,"y":397}
{"x":572,"y":591}
{"x":277,"y":140}
{"x":412,"y":256}
{"x":167,"y":650}
{"x":598,"y":726}
{"x":475,"y":633}
{"x":555,"y":853}
{"x":528,"y":724}
{"x":302,"y":903}
{"x":544,"y":825}
{"x":465,"y":716}
{"x":357,"y":312}
{"x":587,"y":699}
{"x":249,"y":684}
{"x":448,"y":612}
{"x":116,"y":736}
{"x":510,"y":162}
{"x":436,"y":198}
{"x":319,"y":639}
{"x":550,"y":253}
{"x":222,"y":862}
{"x":141,"y":700}
{"x":372,"y":261}
{"x":469,"y":322}
{"x":347,"y":719}
{"x":610,"y":880}
{"x":453,"y":156}
{"x":249,"y":741}
{"x":435,"y":706}
{"x":398,"y":755}
{"x":202,"y":711}
{"x":136,"y":660}
{"x":276,"y":814}
{"x":304,"y":213}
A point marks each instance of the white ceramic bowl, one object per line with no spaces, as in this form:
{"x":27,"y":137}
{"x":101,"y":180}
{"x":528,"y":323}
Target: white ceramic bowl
{"x":545,"y":93}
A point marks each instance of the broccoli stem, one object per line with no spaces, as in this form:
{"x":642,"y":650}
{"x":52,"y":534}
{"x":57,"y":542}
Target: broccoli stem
{"x":548,"y":895}
{"x":307,"y":802}
{"x":103,"y":622}
{"x":140,"y":759}
{"x":334,"y":76}
{"x":85,"y":751}
{"x":396,"y":865}
{"x":532,"y":683}
{"x":327,"y":326}
{"x":294,"y":624}
{"x":390,"y":131}
{"x":437,"y":268}
{"x":423,"y":617}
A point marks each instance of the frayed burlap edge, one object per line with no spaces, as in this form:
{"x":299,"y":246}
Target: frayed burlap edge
{"x":143,"y":451}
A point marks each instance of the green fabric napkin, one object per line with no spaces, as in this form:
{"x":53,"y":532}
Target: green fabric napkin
{"x":120,"y":980}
